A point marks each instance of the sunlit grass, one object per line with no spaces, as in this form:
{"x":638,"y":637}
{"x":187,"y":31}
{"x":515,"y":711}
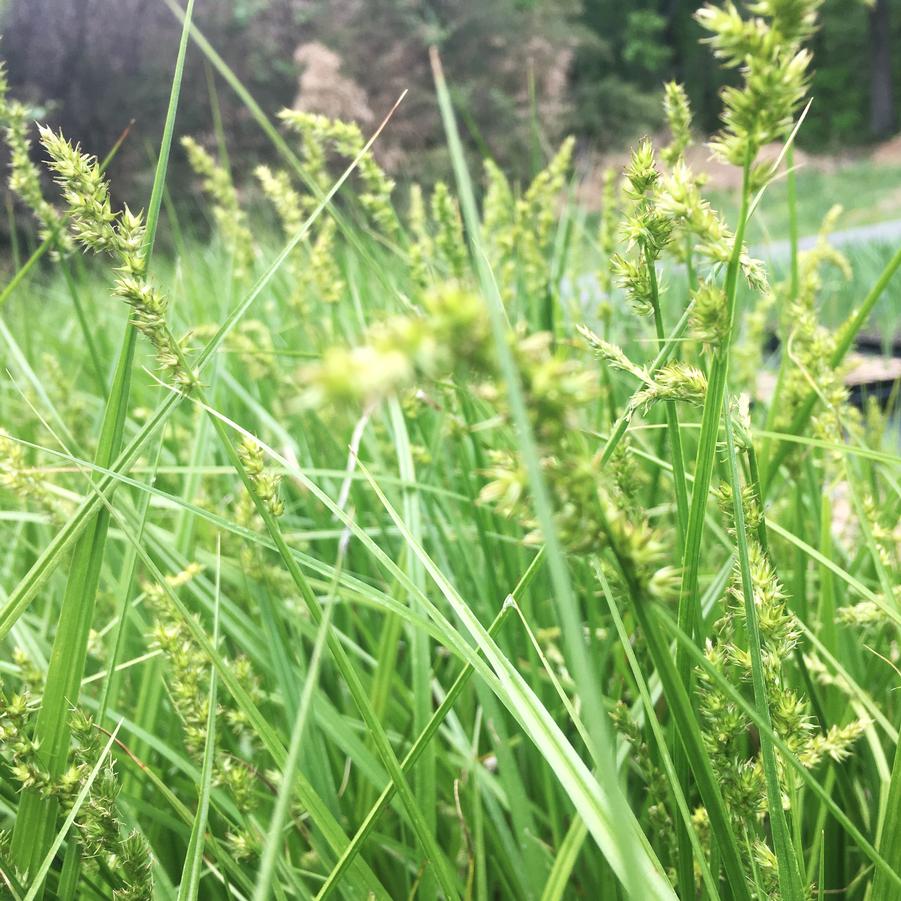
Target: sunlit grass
{"x":427,"y":549}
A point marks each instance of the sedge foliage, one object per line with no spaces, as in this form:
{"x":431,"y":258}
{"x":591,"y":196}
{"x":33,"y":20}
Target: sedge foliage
{"x":358,"y":440}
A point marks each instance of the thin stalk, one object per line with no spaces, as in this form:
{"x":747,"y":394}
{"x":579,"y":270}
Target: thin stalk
{"x":191,"y":873}
{"x":710,"y":422}
{"x":281,"y":810}
{"x":672,"y":416}
{"x":86,"y":331}
{"x":794,"y":280}
{"x":685,"y":866}
{"x":791,"y":183}
{"x":657,"y":731}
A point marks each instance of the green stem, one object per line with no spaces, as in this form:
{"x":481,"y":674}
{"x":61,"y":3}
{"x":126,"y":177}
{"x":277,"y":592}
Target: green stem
{"x":688,"y":619}
{"x":665,"y":352}
{"x":86,"y":331}
{"x":672,"y":417}
{"x":792,"y":188}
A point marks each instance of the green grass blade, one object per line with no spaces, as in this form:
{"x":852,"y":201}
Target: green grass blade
{"x":189,"y":888}
{"x":558,"y":882}
{"x":889,"y":844}
{"x":273,"y":842}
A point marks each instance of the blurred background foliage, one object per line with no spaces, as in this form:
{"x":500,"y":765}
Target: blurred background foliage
{"x":525,"y":72}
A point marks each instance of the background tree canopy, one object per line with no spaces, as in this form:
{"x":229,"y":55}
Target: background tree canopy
{"x":524,"y":71}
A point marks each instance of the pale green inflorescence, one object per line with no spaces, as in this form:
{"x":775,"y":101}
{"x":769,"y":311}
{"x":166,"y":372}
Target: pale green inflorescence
{"x":230,"y":218}
{"x":188,"y":686}
{"x":678,"y":116}
{"x":320,"y":135}
{"x":767,"y":50}
{"x":24,"y":176}
{"x":121,"y":234}
{"x":104,"y":843}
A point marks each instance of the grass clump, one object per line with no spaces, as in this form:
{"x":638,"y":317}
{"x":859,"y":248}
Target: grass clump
{"x":307,"y":504}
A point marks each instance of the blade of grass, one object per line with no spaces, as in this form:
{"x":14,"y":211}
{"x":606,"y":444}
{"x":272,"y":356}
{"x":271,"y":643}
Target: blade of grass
{"x":689,"y":616}
{"x":889,"y":844}
{"x":424,"y":775}
{"x":672,"y":421}
{"x":189,"y":888}
{"x":273,"y":842}
{"x":558,"y":882}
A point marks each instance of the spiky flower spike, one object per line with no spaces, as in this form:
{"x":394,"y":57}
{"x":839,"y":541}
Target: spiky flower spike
{"x":646,"y":227}
{"x":231,"y":219}
{"x":678,"y":117}
{"x":96,"y":227}
{"x":774,"y":66}
{"x":24,"y":177}
{"x":320,"y":133}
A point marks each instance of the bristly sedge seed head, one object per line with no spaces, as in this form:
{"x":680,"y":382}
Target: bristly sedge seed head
{"x":612,"y":354}
{"x":678,"y":115}
{"x":774,"y":68}
{"x":121,"y":235}
{"x":231,"y":219}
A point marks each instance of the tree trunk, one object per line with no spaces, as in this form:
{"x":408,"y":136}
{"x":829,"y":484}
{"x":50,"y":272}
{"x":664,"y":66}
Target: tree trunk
{"x":882,"y":102}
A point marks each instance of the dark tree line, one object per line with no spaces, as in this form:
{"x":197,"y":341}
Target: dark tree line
{"x":524,"y":71}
